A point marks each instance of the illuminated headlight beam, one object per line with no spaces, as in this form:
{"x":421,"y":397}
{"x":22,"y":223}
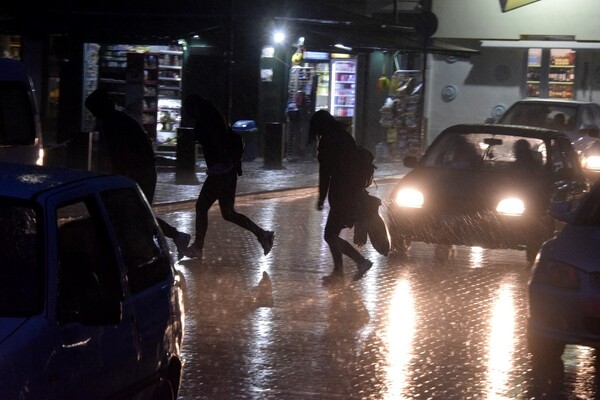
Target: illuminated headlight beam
{"x":511,"y":206}
{"x":411,"y":198}
{"x":592,"y":162}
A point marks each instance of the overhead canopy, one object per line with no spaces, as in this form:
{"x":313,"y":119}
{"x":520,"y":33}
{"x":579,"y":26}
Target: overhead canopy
{"x":143,"y":21}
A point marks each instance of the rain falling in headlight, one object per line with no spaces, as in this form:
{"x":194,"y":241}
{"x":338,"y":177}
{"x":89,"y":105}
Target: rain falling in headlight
{"x":511,"y":206}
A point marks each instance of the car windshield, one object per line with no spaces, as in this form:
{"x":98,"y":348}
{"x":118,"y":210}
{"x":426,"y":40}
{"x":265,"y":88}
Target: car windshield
{"x":561,"y":117}
{"x":486,"y":151}
{"x":21,"y":290}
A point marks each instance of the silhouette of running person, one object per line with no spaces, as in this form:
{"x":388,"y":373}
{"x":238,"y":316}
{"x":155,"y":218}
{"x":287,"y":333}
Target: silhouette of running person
{"x":212,"y":132}
{"x":126,"y":149}
{"x":335,"y":146}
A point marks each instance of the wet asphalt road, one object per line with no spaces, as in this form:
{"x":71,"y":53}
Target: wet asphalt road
{"x":413,"y":328}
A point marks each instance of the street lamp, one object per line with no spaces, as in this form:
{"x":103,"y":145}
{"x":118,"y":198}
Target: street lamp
{"x":278,"y":37}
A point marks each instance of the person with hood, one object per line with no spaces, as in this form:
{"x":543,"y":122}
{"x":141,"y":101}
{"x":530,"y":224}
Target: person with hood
{"x":335,"y":151}
{"x":125,"y":149}
{"x":223,"y":164}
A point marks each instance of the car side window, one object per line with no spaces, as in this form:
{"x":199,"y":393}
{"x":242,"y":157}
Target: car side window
{"x":587,"y":118}
{"x":564,"y":160}
{"x":596,"y":113}
{"x":88,"y":275}
{"x":145,"y":254}
{"x":21,"y":269}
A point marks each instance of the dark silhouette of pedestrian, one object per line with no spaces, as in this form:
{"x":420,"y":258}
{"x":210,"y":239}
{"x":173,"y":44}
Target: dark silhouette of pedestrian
{"x":336,"y":149}
{"x":213,"y":133}
{"x":524,"y":158}
{"x":125,"y":149}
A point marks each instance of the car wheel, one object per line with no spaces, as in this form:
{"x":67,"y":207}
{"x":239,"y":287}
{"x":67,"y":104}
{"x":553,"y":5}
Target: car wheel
{"x":399,"y":245}
{"x":442,"y":252}
{"x":164,"y":391}
{"x":546,"y":355}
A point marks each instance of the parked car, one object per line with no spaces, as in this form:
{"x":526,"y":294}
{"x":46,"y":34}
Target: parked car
{"x":90,"y":302}
{"x":577,"y":119}
{"x":564,"y":288}
{"x":471,"y":187}
{"x":20,"y":128}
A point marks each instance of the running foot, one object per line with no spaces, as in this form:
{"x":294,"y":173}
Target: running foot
{"x":333,"y":279}
{"x":363,"y":267}
{"x":193,"y":252}
{"x":182,"y":240}
{"x":266,"y":241}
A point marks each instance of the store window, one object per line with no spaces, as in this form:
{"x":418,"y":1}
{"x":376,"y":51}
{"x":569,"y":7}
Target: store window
{"x":10,"y":47}
{"x":551,"y":73}
{"x":145,"y":81}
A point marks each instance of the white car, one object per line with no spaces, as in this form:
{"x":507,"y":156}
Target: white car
{"x":579,"y":120}
{"x":90,"y":302}
{"x":564,"y":289}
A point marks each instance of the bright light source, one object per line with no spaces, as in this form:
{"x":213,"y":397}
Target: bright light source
{"x":409,"y":198}
{"x":341,"y":46}
{"x":278,"y":37}
{"x":511,"y":206}
{"x":592,"y":162}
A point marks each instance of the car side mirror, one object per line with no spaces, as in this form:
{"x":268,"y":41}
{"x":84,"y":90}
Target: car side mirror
{"x":562,"y":211}
{"x":410,"y":162}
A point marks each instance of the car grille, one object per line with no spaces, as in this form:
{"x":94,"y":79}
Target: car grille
{"x":483,"y":228}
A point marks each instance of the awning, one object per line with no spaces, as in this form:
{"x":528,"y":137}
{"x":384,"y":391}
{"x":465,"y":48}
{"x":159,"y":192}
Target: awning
{"x":543,"y":44}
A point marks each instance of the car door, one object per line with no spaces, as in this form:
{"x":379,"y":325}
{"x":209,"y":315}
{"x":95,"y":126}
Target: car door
{"x":568,"y":179}
{"x":96,"y":349}
{"x":150,"y":276}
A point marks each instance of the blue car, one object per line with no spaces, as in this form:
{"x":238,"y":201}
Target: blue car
{"x":91,"y":306}
{"x":564,"y":288}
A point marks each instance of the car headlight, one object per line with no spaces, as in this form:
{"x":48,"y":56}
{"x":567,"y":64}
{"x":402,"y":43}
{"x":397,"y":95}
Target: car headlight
{"x":555,"y":273}
{"x":511,"y":206}
{"x":411,"y":198}
{"x":591,"y":162}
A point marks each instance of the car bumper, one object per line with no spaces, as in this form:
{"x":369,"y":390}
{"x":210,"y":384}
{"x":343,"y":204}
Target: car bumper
{"x":483,"y":228}
{"x":564,"y":316}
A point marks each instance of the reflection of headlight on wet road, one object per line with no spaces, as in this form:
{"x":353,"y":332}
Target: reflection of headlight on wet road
{"x":592,"y":162}
{"x":409,"y":198}
{"x":510,"y":206}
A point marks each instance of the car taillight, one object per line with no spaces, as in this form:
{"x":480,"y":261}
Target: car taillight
{"x":550,"y":272}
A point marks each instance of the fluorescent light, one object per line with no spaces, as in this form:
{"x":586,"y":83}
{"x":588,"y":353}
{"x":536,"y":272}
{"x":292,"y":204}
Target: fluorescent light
{"x":341,"y":46}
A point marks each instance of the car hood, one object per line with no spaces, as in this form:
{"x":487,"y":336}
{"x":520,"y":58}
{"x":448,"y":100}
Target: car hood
{"x":578,"y":246}
{"x":8,"y":326}
{"x":476,"y":189}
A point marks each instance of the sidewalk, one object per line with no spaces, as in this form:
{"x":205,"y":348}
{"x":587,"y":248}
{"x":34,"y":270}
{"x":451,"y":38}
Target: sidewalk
{"x":181,"y":186}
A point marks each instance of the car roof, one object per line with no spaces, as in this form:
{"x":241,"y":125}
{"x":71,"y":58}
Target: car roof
{"x":28,"y":181}
{"x":553,"y":101}
{"x":500,"y":129}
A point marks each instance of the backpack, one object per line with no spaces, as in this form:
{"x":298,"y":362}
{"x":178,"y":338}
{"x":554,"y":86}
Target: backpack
{"x":364,"y":169}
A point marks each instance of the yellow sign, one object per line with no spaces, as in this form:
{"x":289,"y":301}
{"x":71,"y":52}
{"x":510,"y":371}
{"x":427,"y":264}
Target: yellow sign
{"x":508,"y":5}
